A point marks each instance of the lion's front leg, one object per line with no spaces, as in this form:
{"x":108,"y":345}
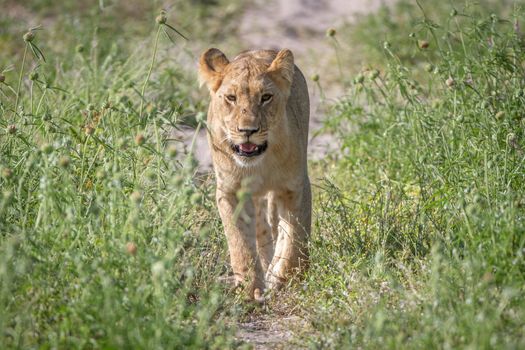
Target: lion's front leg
{"x":291,"y":252}
{"x":240,"y":234}
{"x":265,"y":242}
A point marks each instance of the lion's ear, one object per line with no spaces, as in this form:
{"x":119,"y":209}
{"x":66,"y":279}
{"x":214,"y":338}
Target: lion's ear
{"x":282,"y":70}
{"x":211,"y":68}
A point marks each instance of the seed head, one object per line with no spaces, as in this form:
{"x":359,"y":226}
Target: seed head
{"x":106,"y":105}
{"x":423,"y":44}
{"x":136,"y":197}
{"x":487,"y":277}
{"x":122,"y":143}
{"x":46,"y":117}
{"x":500,"y":115}
{"x":140,"y":139}
{"x":101,"y":174}
{"x":79,"y":48}
{"x":200,"y":117}
{"x":172,"y":151}
{"x":89,"y":130}
{"x":131,"y":248}
{"x":412,"y":35}
{"x":7,"y":173}
{"x":450,"y":82}
{"x":7,"y":196}
{"x":453,"y":13}
{"x":157,"y":269}
{"x":373,"y":74}
{"x":64,"y":162}
{"x":161,"y":19}
{"x":386,"y":45}
{"x":47,"y":148}
{"x":429,"y":67}
{"x":29,"y":36}
{"x":90,"y":107}
{"x":2,"y":78}
{"x":331,"y":32}
{"x":11,"y":129}
{"x":149,"y":108}
{"x":359,"y":79}
{"x":315,"y":78}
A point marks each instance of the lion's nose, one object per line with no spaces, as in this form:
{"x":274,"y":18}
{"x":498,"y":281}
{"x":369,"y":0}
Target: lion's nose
{"x":248,"y":131}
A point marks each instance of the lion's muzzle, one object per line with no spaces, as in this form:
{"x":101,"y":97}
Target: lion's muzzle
{"x":249,"y":149}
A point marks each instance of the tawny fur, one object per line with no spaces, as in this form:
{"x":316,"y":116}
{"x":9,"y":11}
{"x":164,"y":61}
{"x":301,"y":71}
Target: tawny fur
{"x":268,"y":241}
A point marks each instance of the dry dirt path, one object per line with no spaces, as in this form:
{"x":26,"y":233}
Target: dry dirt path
{"x":268,"y":333}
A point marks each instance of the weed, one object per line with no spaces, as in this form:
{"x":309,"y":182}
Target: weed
{"x":419,"y":231}
{"x":106,"y":239}
{"x":109,"y":238}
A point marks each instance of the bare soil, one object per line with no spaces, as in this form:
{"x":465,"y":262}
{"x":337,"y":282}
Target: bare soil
{"x":267,"y":332}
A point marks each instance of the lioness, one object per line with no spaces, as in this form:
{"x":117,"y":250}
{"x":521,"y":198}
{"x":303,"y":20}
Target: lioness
{"x":258,"y":132}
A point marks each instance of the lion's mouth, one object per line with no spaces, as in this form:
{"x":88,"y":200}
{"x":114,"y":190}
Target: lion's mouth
{"x":249,"y":149}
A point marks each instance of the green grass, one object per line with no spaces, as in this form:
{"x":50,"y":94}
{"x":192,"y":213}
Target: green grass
{"x":109,"y":238}
{"x":419,"y":237}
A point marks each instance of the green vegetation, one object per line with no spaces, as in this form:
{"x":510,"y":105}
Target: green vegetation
{"x":109,"y":238}
{"x":419,"y":239}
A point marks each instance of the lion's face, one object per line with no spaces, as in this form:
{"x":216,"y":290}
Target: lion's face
{"x":249,"y":101}
{"x":248,"y":98}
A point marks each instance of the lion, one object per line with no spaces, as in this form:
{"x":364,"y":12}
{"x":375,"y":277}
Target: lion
{"x":258,"y":135}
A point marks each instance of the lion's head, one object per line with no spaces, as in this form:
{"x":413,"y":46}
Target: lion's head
{"x":248,"y":99}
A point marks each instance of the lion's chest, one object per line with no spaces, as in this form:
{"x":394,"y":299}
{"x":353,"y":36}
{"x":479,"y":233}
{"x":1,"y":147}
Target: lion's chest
{"x":266,"y":176}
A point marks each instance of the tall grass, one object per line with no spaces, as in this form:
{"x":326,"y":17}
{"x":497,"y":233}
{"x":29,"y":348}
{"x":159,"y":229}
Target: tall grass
{"x":419,"y":239}
{"x":108,"y":239}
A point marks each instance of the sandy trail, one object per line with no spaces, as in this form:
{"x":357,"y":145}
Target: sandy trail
{"x":265,"y":333}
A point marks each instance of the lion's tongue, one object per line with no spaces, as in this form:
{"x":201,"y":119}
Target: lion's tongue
{"x":247,"y":147}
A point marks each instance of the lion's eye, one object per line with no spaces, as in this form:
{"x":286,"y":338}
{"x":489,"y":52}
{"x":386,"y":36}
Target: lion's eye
{"x":231,"y":98}
{"x":266,"y":98}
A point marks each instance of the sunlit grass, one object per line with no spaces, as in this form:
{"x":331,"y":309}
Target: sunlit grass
{"x":108,"y":239}
{"x":109,"y":236}
{"x":418,"y":241}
